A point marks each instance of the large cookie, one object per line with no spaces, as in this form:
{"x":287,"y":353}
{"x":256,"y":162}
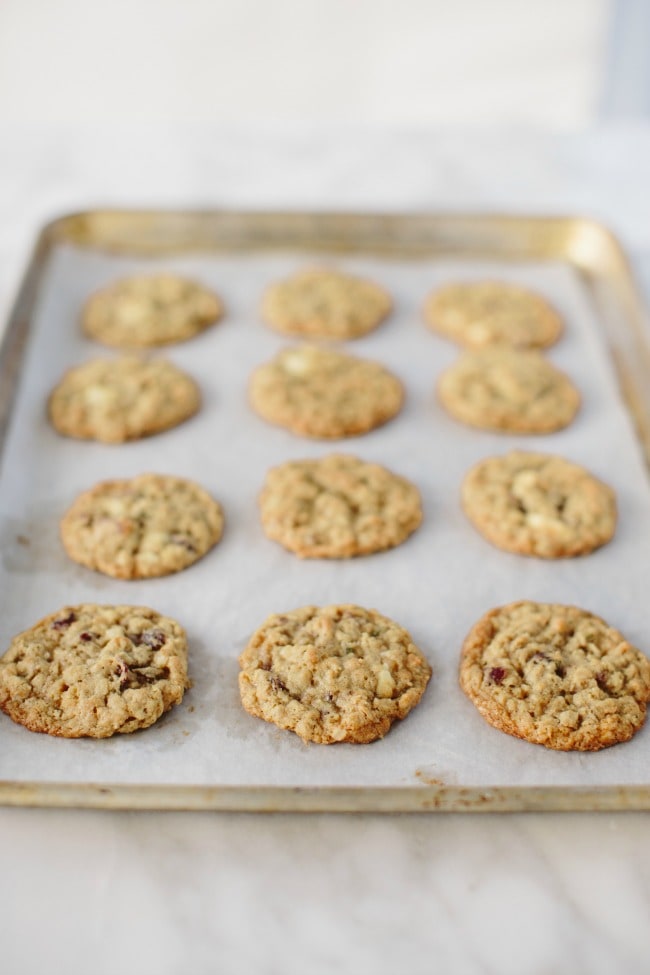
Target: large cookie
{"x":555,"y":675}
{"x":114,"y":400}
{"x":539,"y":504}
{"x":325,"y":304}
{"x":148,"y":526}
{"x":480,"y":313}
{"x":94,"y":671}
{"x":148,"y":310}
{"x":337,"y":507}
{"x":510,"y":390}
{"x":321,"y":393}
{"x":332,"y":673}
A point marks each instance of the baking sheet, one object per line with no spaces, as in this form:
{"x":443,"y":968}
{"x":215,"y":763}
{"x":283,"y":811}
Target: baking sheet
{"x":436,"y":585}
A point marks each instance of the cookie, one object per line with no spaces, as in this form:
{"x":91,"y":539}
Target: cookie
{"x":332,"y":673}
{"x":337,"y":507}
{"x":539,"y":504}
{"x":148,"y":310}
{"x":325,"y":394}
{"x":94,"y":671}
{"x":151,"y":525}
{"x":114,"y":400}
{"x":480,"y":313}
{"x":509,"y":390}
{"x":325,"y":304}
{"x":556,"y":676}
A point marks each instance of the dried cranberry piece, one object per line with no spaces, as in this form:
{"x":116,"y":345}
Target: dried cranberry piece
{"x":64,"y":621}
{"x":123,"y":672}
{"x":154,"y":639}
{"x":86,"y":637}
{"x":497,"y":674}
{"x":601,"y":680}
{"x":183,"y":541}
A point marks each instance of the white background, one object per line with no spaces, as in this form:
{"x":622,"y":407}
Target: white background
{"x":169,"y":893}
{"x":416,"y":62}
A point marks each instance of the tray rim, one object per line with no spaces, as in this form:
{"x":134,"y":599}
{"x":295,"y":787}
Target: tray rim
{"x":586,"y":244}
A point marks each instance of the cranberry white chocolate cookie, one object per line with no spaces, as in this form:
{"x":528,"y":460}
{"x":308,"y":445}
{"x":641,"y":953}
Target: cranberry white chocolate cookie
{"x":325,"y":304}
{"x":94,"y":671}
{"x":332,"y":673}
{"x":148,"y":310}
{"x":113,"y":400}
{"x":556,"y":676}
{"x":151,"y":525}
{"x":337,"y":507}
{"x":325,"y":394}
{"x":539,"y":504}
{"x":509,"y":390}
{"x":482,"y":313}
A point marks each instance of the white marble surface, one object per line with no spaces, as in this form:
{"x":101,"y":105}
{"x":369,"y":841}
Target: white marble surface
{"x":167,"y":893}
{"x":417,"y":61}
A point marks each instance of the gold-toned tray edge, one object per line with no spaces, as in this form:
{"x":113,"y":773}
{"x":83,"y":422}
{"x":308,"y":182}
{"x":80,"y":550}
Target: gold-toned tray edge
{"x":293,"y":799}
{"x":584,"y":243}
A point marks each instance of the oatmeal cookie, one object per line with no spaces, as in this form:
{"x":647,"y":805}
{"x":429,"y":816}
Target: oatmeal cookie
{"x":148,"y":310}
{"x":556,"y":676}
{"x":325,"y":394}
{"x":332,"y":673}
{"x":480,"y":313}
{"x":509,"y":390}
{"x":325,"y":304}
{"x":151,"y":525}
{"x":94,"y":671}
{"x":114,"y":400}
{"x":539,"y":504}
{"x":338,"y":507}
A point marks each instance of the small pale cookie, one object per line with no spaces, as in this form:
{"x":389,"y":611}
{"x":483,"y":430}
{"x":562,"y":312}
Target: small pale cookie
{"x":147,"y":310}
{"x":94,"y":671}
{"x":114,"y":400}
{"x":325,"y":394}
{"x":480,"y":313}
{"x":539,"y":504}
{"x":325,"y":304}
{"x":556,"y":676}
{"x":509,"y":390}
{"x":151,"y":525}
{"x":338,"y":507}
{"x":332,"y":673}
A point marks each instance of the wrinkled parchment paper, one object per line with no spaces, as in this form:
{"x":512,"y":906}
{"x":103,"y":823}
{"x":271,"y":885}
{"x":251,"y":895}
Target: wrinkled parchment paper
{"x":436,"y":585}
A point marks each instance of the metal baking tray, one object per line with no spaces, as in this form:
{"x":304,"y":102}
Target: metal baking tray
{"x":580,"y":253}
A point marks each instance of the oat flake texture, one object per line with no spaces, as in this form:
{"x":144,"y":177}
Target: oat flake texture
{"x":332,"y":673}
{"x":555,"y":675}
{"x":149,"y":310}
{"x":94,"y":671}
{"x":325,"y":394}
{"x":148,"y":526}
{"x":337,"y":507}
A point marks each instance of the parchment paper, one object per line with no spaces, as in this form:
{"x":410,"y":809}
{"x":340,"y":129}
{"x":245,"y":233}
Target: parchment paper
{"x":436,"y":585}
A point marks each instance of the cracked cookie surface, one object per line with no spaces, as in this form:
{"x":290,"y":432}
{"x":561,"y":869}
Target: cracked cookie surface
{"x":480,"y":313}
{"x":509,"y":390}
{"x":114,"y":400}
{"x":324,"y":394}
{"x":325,"y":304}
{"x":556,"y":676}
{"x":539,"y":504}
{"x":338,"y":507}
{"x":148,"y":310}
{"x":94,"y":671}
{"x":148,"y":526}
{"x":332,"y":673}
